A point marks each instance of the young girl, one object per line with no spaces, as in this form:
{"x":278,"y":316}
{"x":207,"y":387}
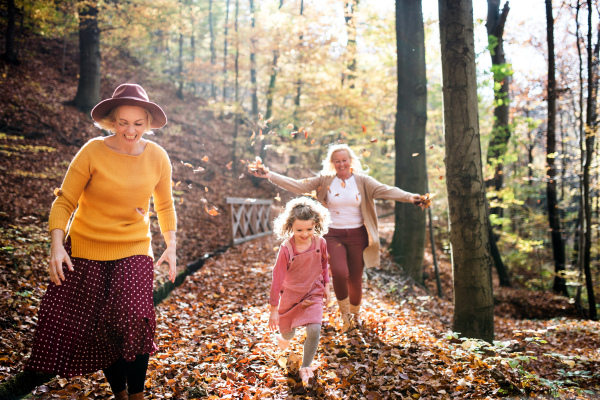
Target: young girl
{"x":300,"y":277}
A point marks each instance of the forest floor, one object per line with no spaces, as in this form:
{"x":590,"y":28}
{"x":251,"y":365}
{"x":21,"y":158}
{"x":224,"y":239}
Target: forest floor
{"x":212,"y":330}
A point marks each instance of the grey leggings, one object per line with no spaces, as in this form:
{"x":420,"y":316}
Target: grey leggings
{"x":313,"y":334}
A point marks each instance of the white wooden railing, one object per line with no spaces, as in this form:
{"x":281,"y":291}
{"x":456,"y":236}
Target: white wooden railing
{"x":249,"y":218}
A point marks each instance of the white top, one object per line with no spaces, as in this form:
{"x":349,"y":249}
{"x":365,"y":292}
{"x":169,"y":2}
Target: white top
{"x":343,"y":201}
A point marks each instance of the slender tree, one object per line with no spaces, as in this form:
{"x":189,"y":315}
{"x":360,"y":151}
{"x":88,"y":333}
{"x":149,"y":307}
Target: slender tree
{"x":408,"y":243}
{"x":253,"y":82}
{"x":501,"y":132}
{"x":590,"y":135}
{"x":273,"y":78}
{"x":471,"y":261}
{"x":558,"y":244}
{"x":299,"y":71}
{"x":88,"y":88}
{"x":225,"y":52}
{"x":180,"y":58}
{"x":350,"y":7}
{"x":237,"y":80}
{"x":213,"y":52}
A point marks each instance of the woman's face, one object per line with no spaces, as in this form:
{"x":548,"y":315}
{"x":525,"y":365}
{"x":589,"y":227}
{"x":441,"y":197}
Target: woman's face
{"x":341,"y":162}
{"x":303,"y":230}
{"x":130,"y":124}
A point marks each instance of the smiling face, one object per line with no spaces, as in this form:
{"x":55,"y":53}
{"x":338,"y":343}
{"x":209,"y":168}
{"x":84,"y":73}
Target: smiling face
{"x":341,"y":161}
{"x":303,"y":231}
{"x":130,"y":124}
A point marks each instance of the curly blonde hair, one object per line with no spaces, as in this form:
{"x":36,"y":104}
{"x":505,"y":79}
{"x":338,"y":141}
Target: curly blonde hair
{"x":107,"y":122}
{"x":303,"y":208}
{"x":329,"y":168}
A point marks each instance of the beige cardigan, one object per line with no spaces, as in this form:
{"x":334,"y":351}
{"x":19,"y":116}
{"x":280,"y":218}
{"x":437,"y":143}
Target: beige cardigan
{"x":369,"y":188}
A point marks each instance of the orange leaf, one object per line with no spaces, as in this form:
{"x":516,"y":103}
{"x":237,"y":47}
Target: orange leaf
{"x":441,"y":177}
{"x":290,"y":126}
{"x":206,"y":189}
{"x":366,"y":153}
{"x":205,"y":158}
{"x":188,"y":165}
{"x":229,"y":164}
{"x":177,"y":184}
{"x":253,"y":135}
{"x":364,"y":128}
{"x":313,"y":141}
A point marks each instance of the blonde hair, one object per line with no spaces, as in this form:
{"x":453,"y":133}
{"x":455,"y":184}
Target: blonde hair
{"x":329,"y":168}
{"x":107,"y":122}
{"x":303,"y":209}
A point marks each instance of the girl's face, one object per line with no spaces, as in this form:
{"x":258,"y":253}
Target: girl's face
{"x":341,"y":161}
{"x":303,"y":230}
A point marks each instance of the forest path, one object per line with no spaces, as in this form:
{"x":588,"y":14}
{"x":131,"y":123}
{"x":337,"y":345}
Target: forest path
{"x":214,"y":343}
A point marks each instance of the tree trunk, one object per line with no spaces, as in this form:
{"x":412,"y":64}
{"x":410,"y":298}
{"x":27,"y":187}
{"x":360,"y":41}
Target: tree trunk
{"x":237,"y":87}
{"x":501,"y":132}
{"x":350,"y":7}
{"x":469,"y":238}
{"x":273,"y":79}
{"x":88,"y":88}
{"x":590,"y":134}
{"x":299,"y":80}
{"x":11,"y":55}
{"x":213,"y":53}
{"x":253,"y":83}
{"x":558,"y":245}
{"x":180,"y":58}
{"x":225,"y":53}
{"x":408,"y":243}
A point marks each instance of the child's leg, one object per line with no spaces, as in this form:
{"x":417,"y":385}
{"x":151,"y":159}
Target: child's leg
{"x":313,"y":334}
{"x":290,"y":335}
{"x":283,"y":340}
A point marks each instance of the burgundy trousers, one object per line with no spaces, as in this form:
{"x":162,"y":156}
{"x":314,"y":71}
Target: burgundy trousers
{"x":345,"y":248}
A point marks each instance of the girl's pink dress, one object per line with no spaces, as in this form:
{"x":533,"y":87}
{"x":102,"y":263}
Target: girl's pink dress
{"x":301,"y":292}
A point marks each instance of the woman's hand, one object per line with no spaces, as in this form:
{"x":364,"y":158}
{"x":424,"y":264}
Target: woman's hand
{"x":261,"y":173}
{"x":170,"y":254}
{"x":58,"y":256}
{"x":274,"y":319}
{"x":327,"y":295}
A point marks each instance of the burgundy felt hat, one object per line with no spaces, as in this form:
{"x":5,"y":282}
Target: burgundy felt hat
{"x":130,"y":94}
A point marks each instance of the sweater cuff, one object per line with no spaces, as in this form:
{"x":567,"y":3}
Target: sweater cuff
{"x":167,"y":224}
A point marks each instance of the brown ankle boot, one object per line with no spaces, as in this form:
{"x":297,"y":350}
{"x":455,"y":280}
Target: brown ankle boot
{"x":137,"y":396}
{"x":121,"y":395}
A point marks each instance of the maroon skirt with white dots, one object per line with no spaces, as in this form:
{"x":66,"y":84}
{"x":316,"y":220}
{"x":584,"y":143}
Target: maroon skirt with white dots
{"x":102,"y":311}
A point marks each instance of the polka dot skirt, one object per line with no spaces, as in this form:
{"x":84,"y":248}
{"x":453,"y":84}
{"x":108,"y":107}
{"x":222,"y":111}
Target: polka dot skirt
{"x":103,"y":310}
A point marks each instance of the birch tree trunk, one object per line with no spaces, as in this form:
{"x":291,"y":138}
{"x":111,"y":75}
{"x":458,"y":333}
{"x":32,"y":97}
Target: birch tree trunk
{"x":469,"y":238}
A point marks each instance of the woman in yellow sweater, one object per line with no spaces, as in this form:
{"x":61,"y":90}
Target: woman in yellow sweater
{"x":98,"y":311}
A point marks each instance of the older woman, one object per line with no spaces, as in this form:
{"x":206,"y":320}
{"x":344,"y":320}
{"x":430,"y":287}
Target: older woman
{"x":344,"y":187}
{"x":98,"y":310}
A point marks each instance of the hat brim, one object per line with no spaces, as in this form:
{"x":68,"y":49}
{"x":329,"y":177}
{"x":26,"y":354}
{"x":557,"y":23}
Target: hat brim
{"x":159,"y":118}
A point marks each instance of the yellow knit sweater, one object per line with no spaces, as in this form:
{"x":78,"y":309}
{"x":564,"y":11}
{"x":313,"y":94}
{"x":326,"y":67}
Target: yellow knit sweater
{"x":112,"y":191}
